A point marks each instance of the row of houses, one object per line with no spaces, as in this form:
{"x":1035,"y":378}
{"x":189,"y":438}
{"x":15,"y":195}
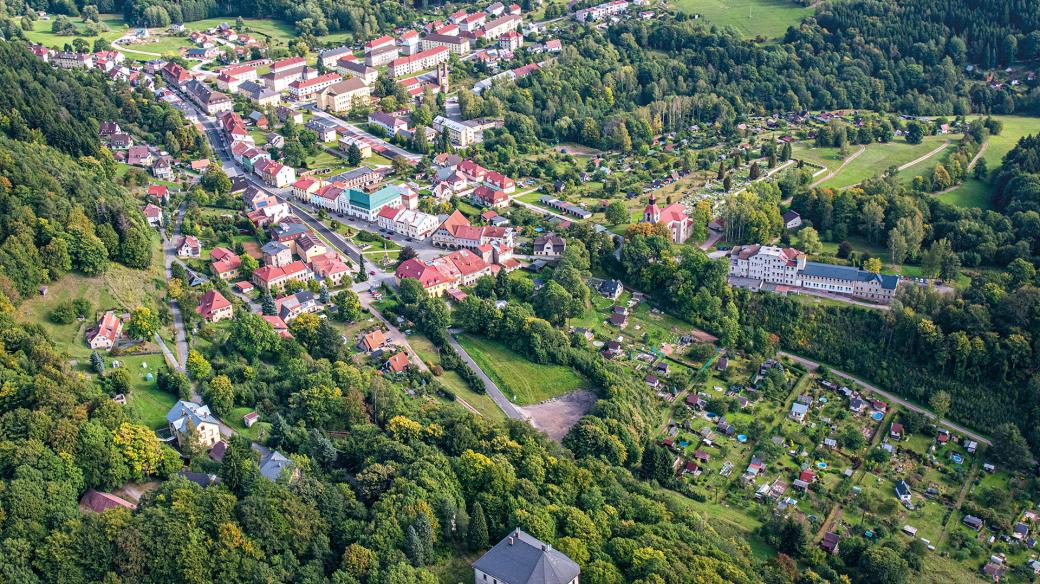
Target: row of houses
{"x":460,"y":268}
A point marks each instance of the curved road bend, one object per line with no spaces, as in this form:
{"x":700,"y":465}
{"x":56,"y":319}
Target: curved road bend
{"x":813,"y":365}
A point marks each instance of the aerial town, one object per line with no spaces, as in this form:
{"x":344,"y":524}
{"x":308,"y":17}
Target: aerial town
{"x":639,"y":291}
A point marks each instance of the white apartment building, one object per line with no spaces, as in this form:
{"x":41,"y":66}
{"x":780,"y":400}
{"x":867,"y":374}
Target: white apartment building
{"x":774,"y":265}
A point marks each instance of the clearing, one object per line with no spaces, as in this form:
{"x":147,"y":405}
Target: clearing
{"x":767,"y":18}
{"x":522,"y":381}
{"x":875,"y":159}
{"x":557,"y":416}
{"x":976,"y":193}
{"x":41,"y":32}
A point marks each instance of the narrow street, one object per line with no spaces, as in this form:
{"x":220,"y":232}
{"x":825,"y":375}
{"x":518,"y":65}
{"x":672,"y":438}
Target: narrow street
{"x":813,"y":365}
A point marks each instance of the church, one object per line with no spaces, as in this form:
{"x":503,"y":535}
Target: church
{"x":673,"y":216}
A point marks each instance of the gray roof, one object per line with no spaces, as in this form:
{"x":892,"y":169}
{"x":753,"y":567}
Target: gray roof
{"x":848,"y":273}
{"x":273,"y":247}
{"x":521,"y":558}
{"x":273,"y":464}
{"x":183,"y":411}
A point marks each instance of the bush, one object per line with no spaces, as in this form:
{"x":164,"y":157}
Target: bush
{"x":66,"y":312}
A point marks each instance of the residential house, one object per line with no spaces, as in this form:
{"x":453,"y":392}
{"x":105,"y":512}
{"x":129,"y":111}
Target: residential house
{"x":460,"y":134}
{"x":973,"y":522}
{"x":274,"y":465}
{"x":798,"y":412}
{"x":792,"y":220}
{"x":397,"y":363}
{"x":306,"y":89}
{"x":455,"y":232}
{"x":309,"y":246}
{"x":903,"y":493}
{"x":829,"y":543}
{"x":139,"y":155}
{"x":409,"y":223}
{"x":106,"y":333}
{"x":185,"y":414}
{"x":432,"y":279}
{"x":521,"y":558}
{"x":213,"y":307}
{"x":611,"y":289}
{"x":259,"y":95}
{"x":292,"y":306}
{"x":224,"y":263}
{"x":273,"y":277}
{"x":325,"y":129}
{"x":276,"y":254}
{"x":188,"y":246}
{"x":488,"y":197}
{"x":549,"y":244}
{"x":212,"y":102}
{"x":99,"y":502}
{"x":421,"y":61}
{"x":390,"y":124}
{"x":341,"y":96}
{"x":162,"y":168}
{"x":160,"y":192}
{"x":153,"y":214}
{"x":372,"y":341}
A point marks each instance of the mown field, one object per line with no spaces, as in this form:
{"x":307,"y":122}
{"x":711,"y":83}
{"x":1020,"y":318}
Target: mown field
{"x":976,"y":193}
{"x":521,"y":380}
{"x":768,"y":18}
{"x":875,"y":159}
{"x":41,"y":32}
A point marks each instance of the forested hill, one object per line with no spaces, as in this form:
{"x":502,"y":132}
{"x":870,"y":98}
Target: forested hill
{"x":419,"y":489}
{"x":365,"y":18}
{"x":62,"y":211}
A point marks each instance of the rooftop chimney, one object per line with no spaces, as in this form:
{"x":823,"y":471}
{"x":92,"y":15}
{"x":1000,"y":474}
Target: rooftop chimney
{"x":511,"y":540}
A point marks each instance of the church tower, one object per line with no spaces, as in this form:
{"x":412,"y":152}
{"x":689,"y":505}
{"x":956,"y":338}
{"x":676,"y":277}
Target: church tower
{"x":652,"y":214}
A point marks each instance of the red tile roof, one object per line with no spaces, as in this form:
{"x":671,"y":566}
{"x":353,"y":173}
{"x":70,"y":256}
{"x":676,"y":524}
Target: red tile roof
{"x":398,"y":362}
{"x":211,"y":302}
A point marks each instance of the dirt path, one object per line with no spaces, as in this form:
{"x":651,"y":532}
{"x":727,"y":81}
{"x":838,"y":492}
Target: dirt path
{"x":844,"y":163}
{"x":813,"y":365}
{"x":921,"y":159}
{"x":978,"y":155}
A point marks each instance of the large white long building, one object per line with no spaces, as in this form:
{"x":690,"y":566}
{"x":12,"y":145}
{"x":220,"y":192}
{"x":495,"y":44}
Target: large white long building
{"x":788,"y":267}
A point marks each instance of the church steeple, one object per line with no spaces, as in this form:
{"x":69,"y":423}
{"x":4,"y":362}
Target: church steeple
{"x":651,"y":214}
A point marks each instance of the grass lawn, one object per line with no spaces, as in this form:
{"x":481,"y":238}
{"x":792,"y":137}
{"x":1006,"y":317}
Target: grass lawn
{"x":41,"y":32}
{"x":972,"y":193}
{"x":265,"y":27}
{"x":874,"y":160}
{"x":258,"y":431}
{"x":975,"y":193}
{"x":119,"y":288}
{"x":453,"y":381}
{"x":146,"y":400}
{"x":769,"y":18}
{"x":162,"y":44}
{"x":521,"y":380}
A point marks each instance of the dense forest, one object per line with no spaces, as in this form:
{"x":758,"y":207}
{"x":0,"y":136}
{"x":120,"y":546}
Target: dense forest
{"x":62,"y":210}
{"x":619,"y":88}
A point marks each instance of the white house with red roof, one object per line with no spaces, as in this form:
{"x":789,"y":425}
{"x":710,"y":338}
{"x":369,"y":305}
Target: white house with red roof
{"x":106,"y":334}
{"x":153,"y":214}
{"x":160,"y":192}
{"x":383,"y":41}
{"x":224,"y":263}
{"x":188,"y":246}
{"x":213,"y":307}
{"x":489,"y":197}
{"x":273,"y":277}
{"x":275,"y":174}
{"x":457,"y":232}
{"x":309,"y":88}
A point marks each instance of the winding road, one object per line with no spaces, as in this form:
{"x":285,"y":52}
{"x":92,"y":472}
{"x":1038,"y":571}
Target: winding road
{"x":814,"y":365}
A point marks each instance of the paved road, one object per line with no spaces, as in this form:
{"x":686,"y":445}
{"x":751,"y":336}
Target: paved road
{"x":169,"y":257}
{"x":493,"y":391}
{"x":813,"y":365}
